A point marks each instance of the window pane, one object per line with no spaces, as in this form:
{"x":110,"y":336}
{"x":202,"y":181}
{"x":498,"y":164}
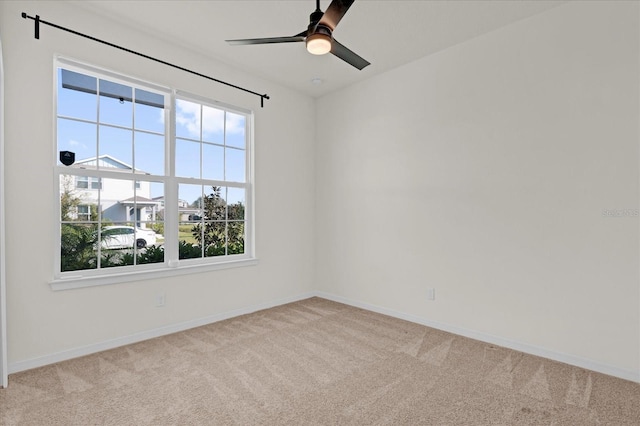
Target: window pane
{"x":235,"y":128}
{"x":149,"y":118}
{"x":190,"y":195}
{"x":149,"y":111}
{"x":115,"y":104}
{"x":190,"y":216}
{"x":156,"y":193}
{"x":117,"y":144}
{"x":212,"y":162}
{"x":188,"y":244}
{"x":74,"y":201}
{"x":117,"y":202}
{"x":215,"y":205}
{"x":215,"y":239}
{"x":77,"y":137}
{"x":117,"y":240}
{"x":235,"y":238}
{"x":235,"y":203}
{"x":77,"y":95}
{"x":235,"y":165}
{"x":117,"y":236}
{"x":187,"y":158}
{"x":152,"y":253}
{"x":78,"y":245}
{"x":115,"y":258}
{"x":149,"y":153}
{"x":143,"y":191}
{"x":187,"y":119}
{"x":149,"y":200}
{"x":213,"y":125}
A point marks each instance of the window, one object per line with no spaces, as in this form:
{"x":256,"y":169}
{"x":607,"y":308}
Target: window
{"x":84,"y":213}
{"x":211,"y":173}
{"x":176,"y":198}
{"x":84,"y":182}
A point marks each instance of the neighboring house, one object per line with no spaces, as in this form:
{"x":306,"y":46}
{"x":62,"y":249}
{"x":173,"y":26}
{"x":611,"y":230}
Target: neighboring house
{"x":120,"y":200}
{"x":185,"y":212}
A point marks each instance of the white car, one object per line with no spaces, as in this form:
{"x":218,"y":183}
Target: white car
{"x":118,"y":237}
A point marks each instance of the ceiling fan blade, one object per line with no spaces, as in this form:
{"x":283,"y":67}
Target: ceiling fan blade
{"x":347,"y":55}
{"x":268,"y":40}
{"x":334,"y":13}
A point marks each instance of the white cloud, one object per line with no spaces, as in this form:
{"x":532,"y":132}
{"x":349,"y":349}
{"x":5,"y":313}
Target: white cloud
{"x":235,"y":123}
{"x":74,"y":143}
{"x":161,"y":116}
{"x":188,"y":115}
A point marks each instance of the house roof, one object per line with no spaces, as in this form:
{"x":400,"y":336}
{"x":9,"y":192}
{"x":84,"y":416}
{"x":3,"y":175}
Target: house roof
{"x":140,"y":201}
{"x":107,"y":162}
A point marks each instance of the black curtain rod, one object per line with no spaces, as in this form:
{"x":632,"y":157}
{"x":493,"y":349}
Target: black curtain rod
{"x":39,"y":21}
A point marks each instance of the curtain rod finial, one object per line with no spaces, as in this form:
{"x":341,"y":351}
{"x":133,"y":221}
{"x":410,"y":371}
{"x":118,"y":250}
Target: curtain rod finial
{"x":24,"y":15}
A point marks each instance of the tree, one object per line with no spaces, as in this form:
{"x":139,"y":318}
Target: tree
{"x":197,"y":203}
{"x":222,"y":229}
{"x":69,"y":201}
{"x":214,"y":210}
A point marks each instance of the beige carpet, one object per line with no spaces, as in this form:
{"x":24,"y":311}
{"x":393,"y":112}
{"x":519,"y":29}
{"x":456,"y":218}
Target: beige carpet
{"x":316,"y":362}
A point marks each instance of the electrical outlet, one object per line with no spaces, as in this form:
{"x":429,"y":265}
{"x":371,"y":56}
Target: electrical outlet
{"x":431,"y":294}
{"x":160,"y":300}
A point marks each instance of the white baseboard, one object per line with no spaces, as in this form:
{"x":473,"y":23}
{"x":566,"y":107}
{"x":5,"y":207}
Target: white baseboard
{"x":16,"y":367}
{"x":588,"y":364}
{"x":174,"y":328}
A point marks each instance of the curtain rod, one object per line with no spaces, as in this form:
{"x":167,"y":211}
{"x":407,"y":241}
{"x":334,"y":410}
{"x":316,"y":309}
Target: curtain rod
{"x":39,"y":21}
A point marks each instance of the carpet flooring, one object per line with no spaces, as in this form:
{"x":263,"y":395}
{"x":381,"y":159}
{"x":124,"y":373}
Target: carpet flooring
{"x":316,"y":362}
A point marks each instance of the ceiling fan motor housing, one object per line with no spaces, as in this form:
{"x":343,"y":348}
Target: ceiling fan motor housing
{"x":314,"y":18}
{"x":319,"y":34}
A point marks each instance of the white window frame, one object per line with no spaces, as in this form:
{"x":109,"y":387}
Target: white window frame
{"x":171,"y":266}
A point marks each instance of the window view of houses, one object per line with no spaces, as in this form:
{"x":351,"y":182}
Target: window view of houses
{"x":114,"y":202}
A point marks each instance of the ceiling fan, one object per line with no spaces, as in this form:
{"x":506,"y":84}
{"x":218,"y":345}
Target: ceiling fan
{"x":319,"y":34}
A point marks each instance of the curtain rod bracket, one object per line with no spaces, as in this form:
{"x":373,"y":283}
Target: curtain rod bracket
{"x":36,"y":28}
{"x":38,"y":21}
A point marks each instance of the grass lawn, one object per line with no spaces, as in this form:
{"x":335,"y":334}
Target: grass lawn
{"x":184,"y":234}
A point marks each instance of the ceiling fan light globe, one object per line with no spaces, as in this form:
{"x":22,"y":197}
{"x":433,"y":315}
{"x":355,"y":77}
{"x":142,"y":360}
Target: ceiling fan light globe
{"x":318,"y":44}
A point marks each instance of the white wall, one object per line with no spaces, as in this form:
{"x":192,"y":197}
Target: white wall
{"x":483,"y":172}
{"x":42,"y":322}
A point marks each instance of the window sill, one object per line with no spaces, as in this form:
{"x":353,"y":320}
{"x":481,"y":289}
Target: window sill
{"x":69,"y":283}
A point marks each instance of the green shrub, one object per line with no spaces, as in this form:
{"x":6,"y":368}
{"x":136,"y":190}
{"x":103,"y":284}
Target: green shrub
{"x":188,"y":251}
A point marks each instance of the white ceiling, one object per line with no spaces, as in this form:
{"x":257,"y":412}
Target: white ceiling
{"x":386,"y":33}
